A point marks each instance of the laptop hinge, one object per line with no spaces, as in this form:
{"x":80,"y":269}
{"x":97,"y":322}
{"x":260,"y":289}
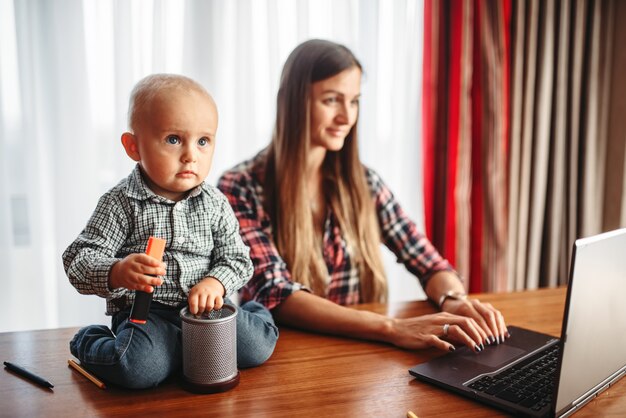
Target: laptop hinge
{"x":591,"y":394}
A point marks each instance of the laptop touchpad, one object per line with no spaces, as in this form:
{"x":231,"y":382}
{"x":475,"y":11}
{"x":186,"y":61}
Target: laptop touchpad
{"x":493,"y":356}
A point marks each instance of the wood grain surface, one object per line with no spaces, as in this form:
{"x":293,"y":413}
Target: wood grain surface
{"x":309,"y":375}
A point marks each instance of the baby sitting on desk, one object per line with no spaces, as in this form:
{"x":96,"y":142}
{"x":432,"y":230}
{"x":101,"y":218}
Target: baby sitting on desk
{"x":172,"y":122}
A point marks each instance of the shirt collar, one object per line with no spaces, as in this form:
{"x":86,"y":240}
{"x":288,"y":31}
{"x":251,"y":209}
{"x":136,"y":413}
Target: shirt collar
{"x":137,"y":188}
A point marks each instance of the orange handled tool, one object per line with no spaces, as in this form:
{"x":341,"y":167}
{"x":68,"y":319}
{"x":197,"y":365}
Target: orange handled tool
{"x":141,"y":305}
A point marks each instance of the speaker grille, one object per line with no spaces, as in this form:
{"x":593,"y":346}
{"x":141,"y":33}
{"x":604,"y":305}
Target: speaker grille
{"x":210,"y":345}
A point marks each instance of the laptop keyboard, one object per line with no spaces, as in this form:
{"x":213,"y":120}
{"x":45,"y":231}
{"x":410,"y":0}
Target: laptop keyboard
{"x":529,"y":383}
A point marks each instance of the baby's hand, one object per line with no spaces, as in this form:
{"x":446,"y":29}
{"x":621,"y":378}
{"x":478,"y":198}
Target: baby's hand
{"x":137,"y":272}
{"x":206,"y":296}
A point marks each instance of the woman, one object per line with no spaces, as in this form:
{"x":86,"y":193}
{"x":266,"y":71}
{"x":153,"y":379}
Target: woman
{"x":314,"y":218}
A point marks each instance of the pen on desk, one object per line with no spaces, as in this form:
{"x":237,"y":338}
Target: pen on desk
{"x":85,"y":373}
{"x":25,"y":373}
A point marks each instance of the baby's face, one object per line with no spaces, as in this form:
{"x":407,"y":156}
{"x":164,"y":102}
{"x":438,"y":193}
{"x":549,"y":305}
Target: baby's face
{"x":175,"y":139}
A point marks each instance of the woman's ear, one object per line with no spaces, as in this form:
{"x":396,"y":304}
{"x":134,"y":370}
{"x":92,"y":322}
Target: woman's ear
{"x":130,"y":145}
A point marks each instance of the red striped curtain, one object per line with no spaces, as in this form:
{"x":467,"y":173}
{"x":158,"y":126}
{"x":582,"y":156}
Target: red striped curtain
{"x":466,"y":131}
{"x":524,"y":144}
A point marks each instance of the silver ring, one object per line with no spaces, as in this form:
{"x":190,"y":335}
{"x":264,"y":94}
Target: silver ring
{"x":445,"y":330}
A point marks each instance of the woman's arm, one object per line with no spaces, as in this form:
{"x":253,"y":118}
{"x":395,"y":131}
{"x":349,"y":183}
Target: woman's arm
{"x":306,"y":311}
{"x":437,"y":277}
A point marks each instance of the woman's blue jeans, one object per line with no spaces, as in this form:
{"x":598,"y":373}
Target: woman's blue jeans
{"x":143,"y":355}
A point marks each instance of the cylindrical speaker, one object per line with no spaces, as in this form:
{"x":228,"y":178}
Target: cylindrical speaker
{"x":210,"y":350}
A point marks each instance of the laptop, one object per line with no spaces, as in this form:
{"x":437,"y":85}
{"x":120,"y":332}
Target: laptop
{"x":569,"y":371}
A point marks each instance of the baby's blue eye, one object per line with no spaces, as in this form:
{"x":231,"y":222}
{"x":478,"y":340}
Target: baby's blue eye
{"x":172,"y":139}
{"x":203,"y":142}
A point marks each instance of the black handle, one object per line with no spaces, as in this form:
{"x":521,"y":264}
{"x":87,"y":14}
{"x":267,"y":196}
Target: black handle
{"x":141,"y":307}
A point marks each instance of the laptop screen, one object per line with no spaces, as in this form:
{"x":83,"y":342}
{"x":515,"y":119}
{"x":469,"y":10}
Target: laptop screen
{"x":594,"y":332}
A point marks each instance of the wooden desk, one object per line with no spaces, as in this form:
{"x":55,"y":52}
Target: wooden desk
{"x":308,"y":375}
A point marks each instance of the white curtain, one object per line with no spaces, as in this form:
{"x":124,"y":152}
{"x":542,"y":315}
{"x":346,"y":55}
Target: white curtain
{"x":67,"y":68}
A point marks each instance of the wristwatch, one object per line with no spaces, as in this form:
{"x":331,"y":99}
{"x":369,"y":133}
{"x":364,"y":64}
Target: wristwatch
{"x":450,"y":294}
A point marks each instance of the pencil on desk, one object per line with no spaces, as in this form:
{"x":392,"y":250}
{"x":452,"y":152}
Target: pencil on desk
{"x":85,"y":373}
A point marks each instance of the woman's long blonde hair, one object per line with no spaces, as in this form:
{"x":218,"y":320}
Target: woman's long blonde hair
{"x":344,"y":184}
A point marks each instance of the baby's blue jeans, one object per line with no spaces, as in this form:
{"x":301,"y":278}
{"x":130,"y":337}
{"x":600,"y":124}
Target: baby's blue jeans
{"x":143,"y":355}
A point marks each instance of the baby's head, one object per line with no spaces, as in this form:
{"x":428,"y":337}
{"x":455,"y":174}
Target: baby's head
{"x":172,"y":125}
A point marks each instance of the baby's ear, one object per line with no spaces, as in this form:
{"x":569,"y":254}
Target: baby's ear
{"x":130,"y":145}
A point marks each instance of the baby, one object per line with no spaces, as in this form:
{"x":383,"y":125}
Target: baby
{"x":172,"y":129}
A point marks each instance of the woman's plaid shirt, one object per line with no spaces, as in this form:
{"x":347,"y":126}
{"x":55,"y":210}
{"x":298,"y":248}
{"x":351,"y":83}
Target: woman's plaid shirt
{"x":272,"y":283}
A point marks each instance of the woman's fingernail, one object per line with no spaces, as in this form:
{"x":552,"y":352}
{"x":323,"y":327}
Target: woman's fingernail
{"x":452,"y":348}
{"x":477,"y":348}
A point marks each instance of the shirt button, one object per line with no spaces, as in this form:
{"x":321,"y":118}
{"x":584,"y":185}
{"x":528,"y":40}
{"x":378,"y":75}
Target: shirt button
{"x":180,"y":240}
{"x":178,"y":206}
